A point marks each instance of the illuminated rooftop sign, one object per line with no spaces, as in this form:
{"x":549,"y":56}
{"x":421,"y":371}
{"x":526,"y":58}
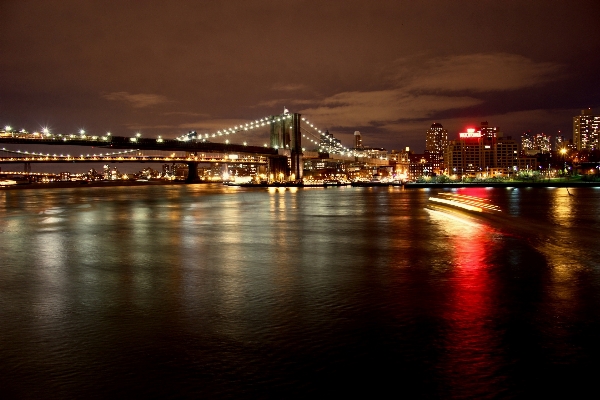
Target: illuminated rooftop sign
{"x":470,"y":133}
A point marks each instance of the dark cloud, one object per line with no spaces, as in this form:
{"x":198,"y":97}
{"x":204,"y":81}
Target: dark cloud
{"x":486,"y":72}
{"x":387,"y":68}
{"x":140,"y":100}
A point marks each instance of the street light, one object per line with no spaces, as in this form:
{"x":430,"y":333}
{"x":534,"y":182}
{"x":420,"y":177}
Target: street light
{"x":563,"y":153}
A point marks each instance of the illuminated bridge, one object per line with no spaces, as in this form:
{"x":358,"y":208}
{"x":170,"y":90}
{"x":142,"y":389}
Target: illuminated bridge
{"x":136,"y":156}
{"x":283,"y":155}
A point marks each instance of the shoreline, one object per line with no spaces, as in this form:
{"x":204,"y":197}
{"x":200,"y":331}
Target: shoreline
{"x":61,"y":185}
{"x":65,"y":185}
{"x":546,"y":184}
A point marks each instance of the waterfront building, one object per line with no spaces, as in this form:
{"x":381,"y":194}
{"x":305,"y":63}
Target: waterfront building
{"x":166,"y":170}
{"x":586,"y":130}
{"x":106,"y":172}
{"x":401,"y":163}
{"x":436,"y":141}
{"x":484,"y":152}
{"x":420,"y":165}
{"x":326,"y":168}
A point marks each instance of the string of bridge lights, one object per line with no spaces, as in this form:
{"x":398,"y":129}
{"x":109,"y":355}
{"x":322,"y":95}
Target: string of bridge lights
{"x":266,"y":121}
{"x":259,"y":123}
{"x":329,"y":137}
{"x":238,"y":128}
{"x":24,"y":152}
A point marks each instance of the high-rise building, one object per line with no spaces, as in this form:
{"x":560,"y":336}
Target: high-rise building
{"x":543,"y":143}
{"x":586,"y":130}
{"x":527,"y":142}
{"x":357,"y":140}
{"x":436,"y":141}
{"x":532,"y":144}
{"x":483,"y":151}
{"x":489,"y":132}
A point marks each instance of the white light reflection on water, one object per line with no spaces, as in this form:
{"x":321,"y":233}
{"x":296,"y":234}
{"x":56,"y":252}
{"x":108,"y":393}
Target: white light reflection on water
{"x":50,"y":251}
{"x":561,"y":206}
{"x":168,"y":291}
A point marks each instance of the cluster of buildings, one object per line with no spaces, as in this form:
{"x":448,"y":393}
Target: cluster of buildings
{"x":486,"y":152}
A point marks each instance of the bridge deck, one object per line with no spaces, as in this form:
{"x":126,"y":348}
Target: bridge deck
{"x":121,"y":142}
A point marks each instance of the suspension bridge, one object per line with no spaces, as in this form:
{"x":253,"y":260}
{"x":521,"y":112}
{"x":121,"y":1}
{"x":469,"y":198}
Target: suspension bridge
{"x":283,"y":155}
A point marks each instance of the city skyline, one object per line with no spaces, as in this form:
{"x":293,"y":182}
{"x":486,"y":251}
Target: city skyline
{"x":388,"y":70}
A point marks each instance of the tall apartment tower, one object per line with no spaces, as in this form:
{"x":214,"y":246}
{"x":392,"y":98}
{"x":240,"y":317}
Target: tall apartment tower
{"x":489,"y":132}
{"x":436,"y":141}
{"x":586,"y":130}
{"x":543,"y":143}
{"x":539,"y":143}
{"x":527,"y":142}
{"x":357,"y":140}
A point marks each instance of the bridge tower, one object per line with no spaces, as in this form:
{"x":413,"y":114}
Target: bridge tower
{"x":192,"y":172}
{"x":287,"y":138}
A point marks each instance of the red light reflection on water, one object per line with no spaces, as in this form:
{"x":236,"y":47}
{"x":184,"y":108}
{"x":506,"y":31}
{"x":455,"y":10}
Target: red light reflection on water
{"x":470,"y":341}
{"x":480,"y":192}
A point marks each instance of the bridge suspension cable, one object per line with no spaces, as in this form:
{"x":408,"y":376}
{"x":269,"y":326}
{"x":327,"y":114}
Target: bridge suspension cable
{"x":325,"y":140}
{"x":256,"y":124}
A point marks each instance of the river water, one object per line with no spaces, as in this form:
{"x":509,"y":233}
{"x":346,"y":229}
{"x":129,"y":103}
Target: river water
{"x":223,"y":292}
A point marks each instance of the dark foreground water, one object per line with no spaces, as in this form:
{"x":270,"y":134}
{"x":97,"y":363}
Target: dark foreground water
{"x":212,"y":291}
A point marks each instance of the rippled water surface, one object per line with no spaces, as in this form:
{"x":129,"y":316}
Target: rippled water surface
{"x":212,"y":291}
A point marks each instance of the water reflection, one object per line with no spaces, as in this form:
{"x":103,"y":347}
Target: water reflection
{"x":470,"y":342}
{"x":283,"y":291}
{"x":561,"y":206}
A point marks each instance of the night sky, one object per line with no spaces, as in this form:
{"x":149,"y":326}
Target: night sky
{"x":386,"y":68}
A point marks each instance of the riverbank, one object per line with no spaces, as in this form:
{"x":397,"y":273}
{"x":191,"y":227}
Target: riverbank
{"x":84,"y":184}
{"x":411,"y":185}
{"x":504,"y":184}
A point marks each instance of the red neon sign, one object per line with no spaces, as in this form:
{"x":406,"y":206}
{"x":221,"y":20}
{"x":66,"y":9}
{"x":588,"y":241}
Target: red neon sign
{"x":470,"y":133}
